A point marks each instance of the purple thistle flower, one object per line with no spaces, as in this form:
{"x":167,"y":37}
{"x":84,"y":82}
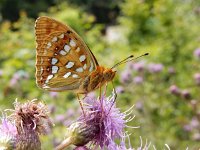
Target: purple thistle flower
{"x":139,"y":66}
{"x":7,"y":127}
{"x":120,"y":89}
{"x":197,"y":78}
{"x":1,"y":72}
{"x":197,"y":53}
{"x":186,"y":94}
{"x":171,"y":70}
{"x":125,"y":76}
{"x":138,"y":80}
{"x":8,"y":134}
{"x":81,"y":148}
{"x":53,"y":95}
{"x":174,"y":90}
{"x":101,"y":125}
{"x":187,"y":127}
{"x":60,"y":118}
{"x":123,"y":146}
{"x":194,"y":122}
{"x":108,"y":117}
{"x":155,"y":68}
{"x":139,"y":105}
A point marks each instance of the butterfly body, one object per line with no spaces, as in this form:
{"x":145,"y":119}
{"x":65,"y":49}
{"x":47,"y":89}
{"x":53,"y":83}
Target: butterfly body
{"x":64,"y":61}
{"x":96,"y":79}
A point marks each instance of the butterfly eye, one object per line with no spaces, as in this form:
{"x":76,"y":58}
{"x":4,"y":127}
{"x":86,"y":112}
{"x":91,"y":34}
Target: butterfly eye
{"x":69,"y":31}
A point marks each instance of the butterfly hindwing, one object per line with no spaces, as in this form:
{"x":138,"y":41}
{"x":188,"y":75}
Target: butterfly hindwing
{"x":63,"y":59}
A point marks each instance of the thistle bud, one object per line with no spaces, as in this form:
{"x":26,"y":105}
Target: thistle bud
{"x":79,"y":134}
{"x":82,"y":133}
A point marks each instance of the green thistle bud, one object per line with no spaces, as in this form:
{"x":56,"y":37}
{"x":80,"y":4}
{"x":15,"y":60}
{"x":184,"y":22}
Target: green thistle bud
{"x":82,"y":133}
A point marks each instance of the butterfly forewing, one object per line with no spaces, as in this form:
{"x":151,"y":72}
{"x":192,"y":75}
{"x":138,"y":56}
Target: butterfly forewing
{"x":63,"y":59}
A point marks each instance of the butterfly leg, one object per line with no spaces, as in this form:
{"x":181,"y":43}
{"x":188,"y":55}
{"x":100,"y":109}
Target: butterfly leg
{"x":100,"y":93}
{"x":115,"y":97}
{"x":105,"y":88}
{"x":101,"y":99}
{"x":115,"y":92}
{"x":81,"y":104}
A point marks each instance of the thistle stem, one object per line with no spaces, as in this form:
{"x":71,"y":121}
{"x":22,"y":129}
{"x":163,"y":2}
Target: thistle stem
{"x":64,"y":144}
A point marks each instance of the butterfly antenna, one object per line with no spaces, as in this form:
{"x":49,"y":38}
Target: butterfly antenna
{"x":122,"y":61}
{"x":130,"y":58}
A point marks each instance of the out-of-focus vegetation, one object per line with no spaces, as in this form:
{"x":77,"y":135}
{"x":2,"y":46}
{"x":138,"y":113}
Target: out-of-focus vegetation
{"x":165,"y":86}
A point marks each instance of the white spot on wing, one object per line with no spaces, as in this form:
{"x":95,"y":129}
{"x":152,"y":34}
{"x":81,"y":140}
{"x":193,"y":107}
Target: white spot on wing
{"x":75,"y":76}
{"x":78,"y":49}
{"x":85,"y":66}
{"x":70,"y":64}
{"x":79,"y":69}
{"x":54,"y":69}
{"x":67,"y":75}
{"x":49,"y":78}
{"x":54,"y":39}
{"x":54,"y":61}
{"x":72,"y":43}
{"x":45,"y":52}
{"x":82,"y":58}
{"x":61,"y":36}
{"x":62,"y":52}
{"x":67,"y":48}
{"x":41,"y":62}
{"x":48,"y":44}
{"x":41,"y":70}
{"x":91,"y":67}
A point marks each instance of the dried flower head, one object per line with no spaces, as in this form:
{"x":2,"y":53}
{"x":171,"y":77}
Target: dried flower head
{"x":31,"y":116}
{"x":31,"y":119}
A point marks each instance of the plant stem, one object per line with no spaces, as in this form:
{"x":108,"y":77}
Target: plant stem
{"x":64,"y":144}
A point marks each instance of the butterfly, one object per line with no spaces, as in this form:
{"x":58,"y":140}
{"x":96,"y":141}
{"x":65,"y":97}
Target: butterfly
{"x":64,"y":61}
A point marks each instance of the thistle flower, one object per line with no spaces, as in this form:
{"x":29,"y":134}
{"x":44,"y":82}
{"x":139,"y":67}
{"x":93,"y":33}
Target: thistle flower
{"x":186,"y":94}
{"x":139,"y":66}
{"x":31,"y":119}
{"x":120,"y":89}
{"x":53,"y":95}
{"x":155,"y":68}
{"x":7,"y":134}
{"x":81,"y":148}
{"x":197,"y":53}
{"x":174,"y":90}
{"x":197,"y":78}
{"x":1,"y":72}
{"x":125,"y":76}
{"x":171,"y":70}
{"x":21,"y":74}
{"x":102,"y":124}
{"x":138,"y":80}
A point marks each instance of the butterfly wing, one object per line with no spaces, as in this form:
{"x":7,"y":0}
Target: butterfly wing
{"x":63,"y":60}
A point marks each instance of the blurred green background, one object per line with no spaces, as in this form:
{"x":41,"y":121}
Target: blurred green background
{"x":164,"y":87}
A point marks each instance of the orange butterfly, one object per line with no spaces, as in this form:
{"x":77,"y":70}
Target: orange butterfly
{"x":64,"y":62}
